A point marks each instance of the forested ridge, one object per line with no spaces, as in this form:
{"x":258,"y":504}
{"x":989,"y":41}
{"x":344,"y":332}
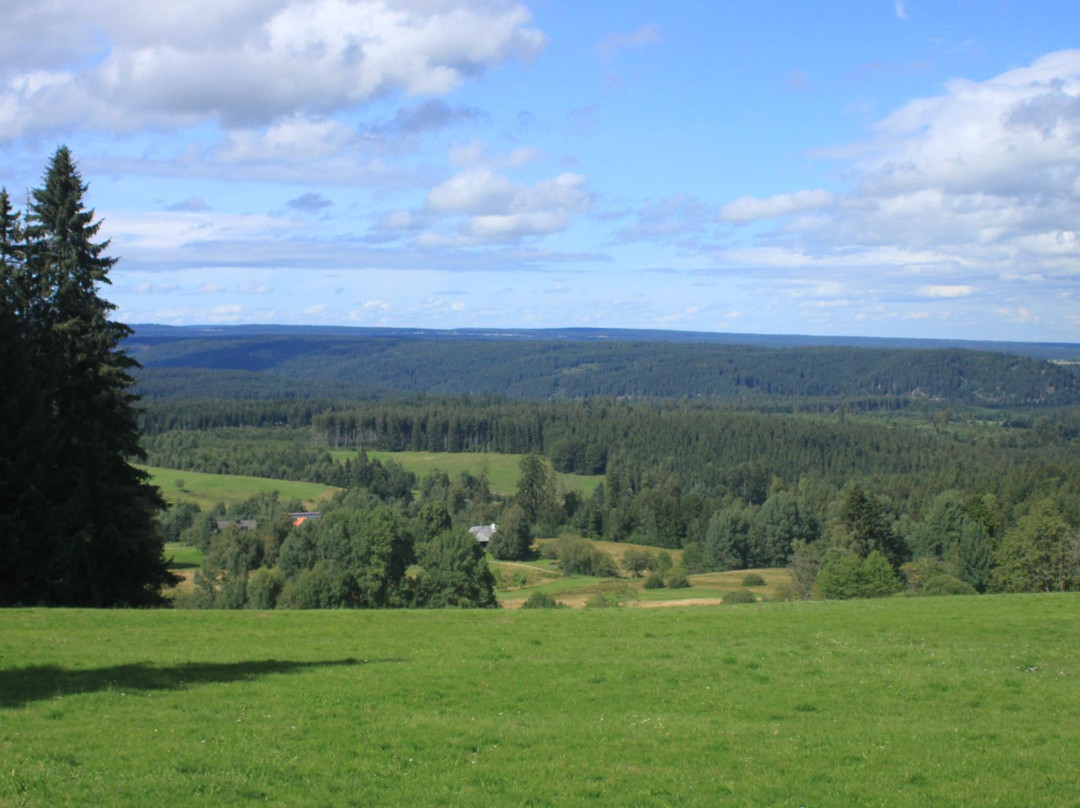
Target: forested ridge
{"x":268,"y":366}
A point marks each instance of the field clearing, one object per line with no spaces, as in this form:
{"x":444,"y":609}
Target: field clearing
{"x":501,"y":469}
{"x":207,"y":490}
{"x":182,"y":556}
{"x":575,"y":590}
{"x":901,"y":702}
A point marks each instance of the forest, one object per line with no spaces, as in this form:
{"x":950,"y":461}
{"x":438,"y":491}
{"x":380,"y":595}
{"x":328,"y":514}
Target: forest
{"x":858,"y":496}
{"x":233,"y":364}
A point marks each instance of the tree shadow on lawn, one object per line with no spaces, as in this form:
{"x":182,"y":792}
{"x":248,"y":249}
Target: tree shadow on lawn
{"x":19,"y":686}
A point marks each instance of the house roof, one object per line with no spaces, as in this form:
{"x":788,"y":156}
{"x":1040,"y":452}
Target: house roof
{"x":483,"y":533}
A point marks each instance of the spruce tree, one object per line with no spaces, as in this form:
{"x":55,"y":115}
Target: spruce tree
{"x":95,"y":543}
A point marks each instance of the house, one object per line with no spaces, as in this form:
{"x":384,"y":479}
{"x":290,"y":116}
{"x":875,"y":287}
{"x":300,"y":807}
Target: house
{"x":483,"y":533}
{"x":299,"y":518}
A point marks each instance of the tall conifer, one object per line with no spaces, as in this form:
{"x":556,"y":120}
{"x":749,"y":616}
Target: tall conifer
{"x":96,"y":542}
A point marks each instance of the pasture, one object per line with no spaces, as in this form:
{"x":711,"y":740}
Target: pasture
{"x":207,"y":490}
{"x":501,"y":469}
{"x":900,"y":702}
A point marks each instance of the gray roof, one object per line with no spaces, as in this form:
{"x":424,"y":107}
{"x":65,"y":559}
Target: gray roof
{"x":483,"y":533}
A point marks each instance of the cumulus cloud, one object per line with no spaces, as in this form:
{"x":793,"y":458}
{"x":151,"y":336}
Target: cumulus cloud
{"x":955,"y":196}
{"x":120,"y":65}
{"x":497,"y":209}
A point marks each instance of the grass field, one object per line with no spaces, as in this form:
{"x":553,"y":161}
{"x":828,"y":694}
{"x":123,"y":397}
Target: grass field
{"x":901,"y":702}
{"x":183,"y":557}
{"x":501,"y":469}
{"x":206,"y":490}
{"x":577,"y":589}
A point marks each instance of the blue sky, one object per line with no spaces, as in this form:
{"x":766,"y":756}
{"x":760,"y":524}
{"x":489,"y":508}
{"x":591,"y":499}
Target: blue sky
{"x":878,"y":168}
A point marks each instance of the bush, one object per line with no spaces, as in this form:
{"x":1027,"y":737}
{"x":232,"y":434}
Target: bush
{"x":654,"y":580}
{"x":265,"y":587}
{"x":541,"y":600}
{"x":946,"y":585}
{"x":678,"y":580}
{"x":753,"y":579}
{"x":611,"y":598}
{"x":580,"y":557}
{"x":848,"y":576}
{"x":740,"y":596}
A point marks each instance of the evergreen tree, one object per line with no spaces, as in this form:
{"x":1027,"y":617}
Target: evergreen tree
{"x":535,"y":491}
{"x":94,"y":543}
{"x":868,"y":529}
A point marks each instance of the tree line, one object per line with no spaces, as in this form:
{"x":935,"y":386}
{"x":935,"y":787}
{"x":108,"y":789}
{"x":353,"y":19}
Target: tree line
{"x":544,"y":370}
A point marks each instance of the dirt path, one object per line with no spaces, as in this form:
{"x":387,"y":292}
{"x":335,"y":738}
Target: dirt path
{"x":655,"y":604}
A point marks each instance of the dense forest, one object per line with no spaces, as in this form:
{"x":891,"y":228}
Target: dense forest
{"x":955,"y":496}
{"x":864,"y":468}
{"x":363,"y":366}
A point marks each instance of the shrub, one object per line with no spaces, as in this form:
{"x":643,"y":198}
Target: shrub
{"x":602,"y":600}
{"x":946,"y":585}
{"x":265,"y":587}
{"x":654,"y":580}
{"x":848,"y":576}
{"x":541,"y":600}
{"x":610,"y":598}
{"x":740,"y":596}
{"x":753,"y":579}
{"x":678,"y":580}
{"x":580,"y":557}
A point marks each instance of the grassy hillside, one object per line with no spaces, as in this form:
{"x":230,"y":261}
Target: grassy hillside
{"x":206,"y":490}
{"x":906,"y":702}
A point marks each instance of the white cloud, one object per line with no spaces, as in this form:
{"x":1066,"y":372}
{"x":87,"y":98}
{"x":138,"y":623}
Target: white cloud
{"x":169,"y":230}
{"x":947,"y":291}
{"x":751,"y":209}
{"x":121,"y":65}
{"x":497,"y":209}
{"x":225,"y":314}
{"x":968,"y":192}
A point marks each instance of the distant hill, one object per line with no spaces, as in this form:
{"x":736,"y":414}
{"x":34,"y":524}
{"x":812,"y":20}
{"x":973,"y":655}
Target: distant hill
{"x":266,"y":362}
{"x":153,"y":334}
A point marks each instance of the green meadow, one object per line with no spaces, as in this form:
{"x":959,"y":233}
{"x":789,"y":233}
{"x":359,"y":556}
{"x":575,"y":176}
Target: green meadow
{"x":501,"y":469}
{"x":899,"y":702}
{"x":206,"y":490}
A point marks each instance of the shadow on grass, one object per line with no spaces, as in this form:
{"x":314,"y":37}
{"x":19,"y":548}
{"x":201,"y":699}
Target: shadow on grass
{"x":19,"y":686}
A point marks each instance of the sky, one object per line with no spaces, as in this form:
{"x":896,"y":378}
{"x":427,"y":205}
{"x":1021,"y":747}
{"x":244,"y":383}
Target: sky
{"x":895,"y":168}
